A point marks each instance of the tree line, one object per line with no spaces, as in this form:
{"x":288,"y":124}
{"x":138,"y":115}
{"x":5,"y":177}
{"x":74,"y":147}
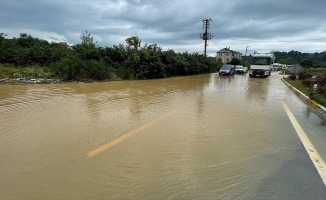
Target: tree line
{"x":313,"y":60}
{"x":87,"y":60}
{"x":308,"y":60}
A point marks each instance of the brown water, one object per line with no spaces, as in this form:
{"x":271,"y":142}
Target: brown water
{"x":197,"y":137}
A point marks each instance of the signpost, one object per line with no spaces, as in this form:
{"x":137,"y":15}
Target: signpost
{"x":295,"y":68}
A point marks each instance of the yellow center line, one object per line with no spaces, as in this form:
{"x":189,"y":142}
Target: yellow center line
{"x":311,"y":150}
{"x":121,"y":138}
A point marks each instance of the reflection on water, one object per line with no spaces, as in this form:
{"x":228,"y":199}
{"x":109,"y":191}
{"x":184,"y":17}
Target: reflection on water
{"x":205,"y":149}
{"x":258,"y":89}
{"x":223,"y":82}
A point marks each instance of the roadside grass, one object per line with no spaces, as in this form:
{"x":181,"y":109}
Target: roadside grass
{"x":321,"y":99}
{"x":11,"y":71}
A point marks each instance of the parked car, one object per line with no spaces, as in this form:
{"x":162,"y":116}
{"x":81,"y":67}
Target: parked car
{"x":276,"y":67}
{"x":227,"y":69}
{"x":239,"y":69}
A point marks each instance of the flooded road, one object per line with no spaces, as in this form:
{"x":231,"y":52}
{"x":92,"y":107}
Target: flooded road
{"x":196,"y":137}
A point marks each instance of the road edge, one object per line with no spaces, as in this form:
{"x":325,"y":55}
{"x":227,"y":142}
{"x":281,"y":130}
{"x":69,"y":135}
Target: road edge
{"x":319,"y":109}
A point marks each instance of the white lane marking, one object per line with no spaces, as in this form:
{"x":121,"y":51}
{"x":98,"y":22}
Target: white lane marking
{"x":311,"y":150}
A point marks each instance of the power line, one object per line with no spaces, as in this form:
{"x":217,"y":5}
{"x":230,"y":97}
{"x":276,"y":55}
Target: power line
{"x":178,"y":6}
{"x":216,"y":45}
{"x":177,"y":9}
{"x":220,"y":34}
{"x":249,"y":40}
{"x":174,"y":10}
{"x":219,"y":31}
{"x":199,"y":16}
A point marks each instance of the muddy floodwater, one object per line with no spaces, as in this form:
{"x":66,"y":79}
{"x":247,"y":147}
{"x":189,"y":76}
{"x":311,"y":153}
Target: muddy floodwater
{"x":195,"y":137}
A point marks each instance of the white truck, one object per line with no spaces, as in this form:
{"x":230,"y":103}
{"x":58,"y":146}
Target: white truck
{"x":261,"y":64}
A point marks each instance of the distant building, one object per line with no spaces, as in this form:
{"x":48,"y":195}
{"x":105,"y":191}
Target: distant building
{"x":226,"y":55}
{"x":64,"y":44}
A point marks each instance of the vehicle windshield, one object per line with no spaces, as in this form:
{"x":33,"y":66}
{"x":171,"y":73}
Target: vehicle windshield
{"x":239,"y":67}
{"x":226,"y":67}
{"x":261,"y":61}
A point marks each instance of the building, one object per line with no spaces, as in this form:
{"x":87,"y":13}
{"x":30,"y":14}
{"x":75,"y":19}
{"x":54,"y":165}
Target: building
{"x":64,"y":44}
{"x":226,"y":54}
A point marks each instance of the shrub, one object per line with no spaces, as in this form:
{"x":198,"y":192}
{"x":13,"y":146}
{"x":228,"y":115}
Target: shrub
{"x":71,"y":68}
{"x":99,"y":71}
{"x":309,"y":82}
{"x":321,"y":80}
{"x":304,"y":75}
{"x":292,"y":77}
{"x":322,"y":90}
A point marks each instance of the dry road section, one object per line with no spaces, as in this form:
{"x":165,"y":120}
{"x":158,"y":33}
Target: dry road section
{"x":311,"y":150}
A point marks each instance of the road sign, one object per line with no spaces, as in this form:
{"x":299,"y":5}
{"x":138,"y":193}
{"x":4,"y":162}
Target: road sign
{"x":295,"y":68}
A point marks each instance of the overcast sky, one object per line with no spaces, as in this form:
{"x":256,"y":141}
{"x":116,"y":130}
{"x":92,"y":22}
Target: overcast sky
{"x":264,"y":25}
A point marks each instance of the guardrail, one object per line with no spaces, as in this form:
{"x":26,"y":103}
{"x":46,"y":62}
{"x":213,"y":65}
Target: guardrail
{"x":320,"y":110}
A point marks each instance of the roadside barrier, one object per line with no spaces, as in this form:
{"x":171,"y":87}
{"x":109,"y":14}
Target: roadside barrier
{"x":320,"y":110}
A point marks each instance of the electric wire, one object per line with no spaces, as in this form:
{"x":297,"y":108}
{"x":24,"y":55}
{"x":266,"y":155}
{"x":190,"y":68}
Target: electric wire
{"x":174,"y":10}
{"x":219,"y":34}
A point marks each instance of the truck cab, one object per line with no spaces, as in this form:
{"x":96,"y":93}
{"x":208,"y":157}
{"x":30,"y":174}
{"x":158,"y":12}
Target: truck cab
{"x":261,"y":64}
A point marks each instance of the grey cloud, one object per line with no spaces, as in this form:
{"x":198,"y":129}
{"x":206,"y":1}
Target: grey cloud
{"x":173,"y":23}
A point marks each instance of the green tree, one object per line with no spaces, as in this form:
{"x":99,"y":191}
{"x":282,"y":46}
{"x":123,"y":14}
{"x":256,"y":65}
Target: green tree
{"x":285,"y":61}
{"x":133,"y":42}
{"x":2,"y":36}
{"x":87,"y":39}
{"x":235,"y":61}
{"x":307,"y":63}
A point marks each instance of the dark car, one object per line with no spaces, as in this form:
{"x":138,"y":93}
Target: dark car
{"x":239,"y":69}
{"x":227,"y":70}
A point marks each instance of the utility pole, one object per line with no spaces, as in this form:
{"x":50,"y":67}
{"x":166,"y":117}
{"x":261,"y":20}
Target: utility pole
{"x":206,"y":36}
{"x":246,"y":54}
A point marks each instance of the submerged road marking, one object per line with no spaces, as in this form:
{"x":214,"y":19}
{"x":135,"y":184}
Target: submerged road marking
{"x":117,"y":140}
{"x":311,"y":150}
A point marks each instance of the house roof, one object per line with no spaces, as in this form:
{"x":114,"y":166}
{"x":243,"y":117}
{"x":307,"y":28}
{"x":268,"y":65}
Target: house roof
{"x":64,"y":43}
{"x":229,"y":50}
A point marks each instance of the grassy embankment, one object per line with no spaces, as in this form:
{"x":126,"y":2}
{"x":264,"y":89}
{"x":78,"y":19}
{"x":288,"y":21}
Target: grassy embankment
{"x":308,"y":90}
{"x":11,"y":71}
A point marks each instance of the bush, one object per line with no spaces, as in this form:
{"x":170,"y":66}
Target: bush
{"x":98,"y":68}
{"x":322,"y":90}
{"x":304,"y":75}
{"x":313,"y":71}
{"x":292,"y":77}
{"x":72,"y":69}
{"x":309,"y":82}
{"x":321,"y":80}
